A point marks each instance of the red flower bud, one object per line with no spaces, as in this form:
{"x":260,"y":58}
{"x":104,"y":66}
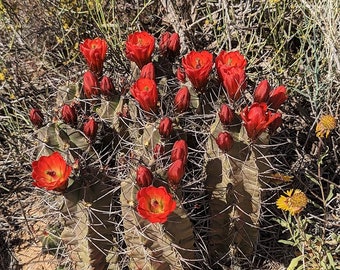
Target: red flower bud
{"x":158,"y":150}
{"x":257,"y":118}
{"x":90,"y":85}
{"x":145,"y":92}
{"x":277,"y":97}
{"x":180,"y":74}
{"x":182,"y":99}
{"x":174,"y":43}
{"x":233,"y":81}
{"x":144,"y":176}
{"x":261,"y":92}
{"x":176,"y":172}
{"x":106,"y":86}
{"x":90,"y":128}
{"x":69,"y":114}
{"x":273,"y":126}
{"x":169,"y":44}
{"x":139,"y":48}
{"x":226,"y":114}
{"x":94,"y":51}
{"x":163,"y":43}
{"x":180,"y":151}
{"x":36,"y":117}
{"x":165,"y":127}
{"x":148,"y":71}
{"x":224,"y":141}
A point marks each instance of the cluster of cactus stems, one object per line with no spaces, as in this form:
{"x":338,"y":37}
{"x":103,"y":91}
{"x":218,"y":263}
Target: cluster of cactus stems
{"x":186,"y":128}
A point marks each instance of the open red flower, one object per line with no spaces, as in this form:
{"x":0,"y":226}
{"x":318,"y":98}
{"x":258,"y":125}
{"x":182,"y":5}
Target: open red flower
{"x":94,"y":51}
{"x":197,"y":67}
{"x":234,"y":81}
{"x":139,"y":48}
{"x":144,"y":90}
{"x":257,"y":119}
{"x":155,"y":204}
{"x":230,"y":59}
{"x":51,"y":172}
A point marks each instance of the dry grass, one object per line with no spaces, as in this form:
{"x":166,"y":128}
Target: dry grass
{"x":295,"y":43}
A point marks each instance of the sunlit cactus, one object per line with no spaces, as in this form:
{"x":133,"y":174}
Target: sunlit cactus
{"x":165,"y":135}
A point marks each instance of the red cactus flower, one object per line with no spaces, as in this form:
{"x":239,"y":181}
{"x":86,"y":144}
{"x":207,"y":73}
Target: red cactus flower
{"x":182,"y":100}
{"x":197,"y":66}
{"x":179,"y":151}
{"x":155,"y":204}
{"x":145,"y":92}
{"x":169,"y":44}
{"x":180,"y":74}
{"x":148,"y":71}
{"x":261,"y":92}
{"x":226,"y":114}
{"x":257,"y":118}
{"x":106,"y":86}
{"x":90,"y":84}
{"x":165,"y":127}
{"x":51,"y":172}
{"x":94,"y":51}
{"x":224,"y":141}
{"x":139,"y":48}
{"x":230,"y":59}
{"x":69,"y":114}
{"x":90,"y":128}
{"x":158,"y":150}
{"x":234,"y":81}
{"x":277,"y":97}
{"x":175,"y":173}
{"x":144,"y":176}
{"x":275,"y":124}
{"x":36,"y":117}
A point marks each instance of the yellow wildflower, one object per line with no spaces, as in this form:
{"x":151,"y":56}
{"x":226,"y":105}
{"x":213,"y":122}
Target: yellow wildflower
{"x":326,"y":124}
{"x":2,"y":77}
{"x":294,"y":203}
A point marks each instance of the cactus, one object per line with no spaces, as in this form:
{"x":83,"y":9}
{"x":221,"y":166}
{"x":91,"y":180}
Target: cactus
{"x":218,"y":200}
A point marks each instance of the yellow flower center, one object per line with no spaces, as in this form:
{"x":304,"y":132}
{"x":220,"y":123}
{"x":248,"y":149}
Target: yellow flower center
{"x":294,"y":203}
{"x":156,"y":206}
{"x":198,"y":63}
{"x":51,"y":173}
